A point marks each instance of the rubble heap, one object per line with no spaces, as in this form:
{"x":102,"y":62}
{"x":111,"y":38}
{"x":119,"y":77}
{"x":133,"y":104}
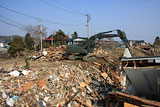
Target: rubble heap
{"x":67,"y":83}
{"x":148,"y":50}
{"x":50,"y":54}
{"x":78,"y":84}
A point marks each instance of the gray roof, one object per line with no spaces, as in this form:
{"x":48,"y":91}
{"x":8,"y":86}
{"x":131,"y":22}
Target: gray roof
{"x":5,"y":39}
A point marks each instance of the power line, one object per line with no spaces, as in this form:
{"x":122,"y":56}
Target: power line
{"x":36,"y":18}
{"x":10,"y":24}
{"x":12,"y":20}
{"x":60,"y":8}
{"x":69,"y":7}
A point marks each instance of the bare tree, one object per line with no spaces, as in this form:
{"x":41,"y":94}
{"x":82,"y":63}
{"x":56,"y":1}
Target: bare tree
{"x":35,"y":33}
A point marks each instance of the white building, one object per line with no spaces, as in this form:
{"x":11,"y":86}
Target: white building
{"x":1,"y":45}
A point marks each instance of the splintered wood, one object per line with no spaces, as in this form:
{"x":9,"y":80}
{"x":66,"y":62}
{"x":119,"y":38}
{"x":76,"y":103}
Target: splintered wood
{"x":59,"y":85}
{"x":51,"y":54}
{"x":56,"y":86}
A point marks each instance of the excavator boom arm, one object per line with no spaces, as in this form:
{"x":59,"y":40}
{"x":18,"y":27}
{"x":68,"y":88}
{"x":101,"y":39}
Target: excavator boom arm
{"x":119,"y":34}
{"x":89,"y":45}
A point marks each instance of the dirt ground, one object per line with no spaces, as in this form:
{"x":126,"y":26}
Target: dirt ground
{"x":34,"y":65}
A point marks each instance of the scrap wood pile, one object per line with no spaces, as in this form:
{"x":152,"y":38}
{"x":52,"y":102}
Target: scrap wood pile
{"x":148,"y":50}
{"x":137,"y":51}
{"x":80,"y":84}
{"x":99,"y":50}
{"x":50,"y":54}
{"x":4,"y":53}
{"x":130,"y":100}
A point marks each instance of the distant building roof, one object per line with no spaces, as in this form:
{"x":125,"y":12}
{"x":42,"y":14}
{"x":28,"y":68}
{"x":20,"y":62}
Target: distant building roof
{"x":138,"y":41}
{"x":2,"y":41}
{"x":79,"y":39}
{"x":6,"y":39}
{"x":53,"y":37}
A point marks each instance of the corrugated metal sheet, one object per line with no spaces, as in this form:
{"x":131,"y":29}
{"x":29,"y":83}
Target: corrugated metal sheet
{"x":143,"y":73}
{"x":144,"y":80}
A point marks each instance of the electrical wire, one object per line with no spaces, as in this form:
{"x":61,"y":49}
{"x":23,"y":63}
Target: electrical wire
{"x":10,"y":24}
{"x":69,"y":8}
{"x":36,"y":18}
{"x":61,"y":8}
{"x":12,"y":21}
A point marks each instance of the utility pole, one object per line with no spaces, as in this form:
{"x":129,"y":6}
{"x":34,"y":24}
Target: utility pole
{"x":41,"y":33}
{"x":88,"y":18}
{"x":51,"y":40}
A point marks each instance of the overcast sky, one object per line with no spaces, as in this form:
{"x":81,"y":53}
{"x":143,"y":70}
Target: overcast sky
{"x":140,"y":19}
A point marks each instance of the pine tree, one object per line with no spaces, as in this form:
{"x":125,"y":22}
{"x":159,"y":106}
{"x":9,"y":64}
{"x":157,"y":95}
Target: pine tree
{"x":60,"y":33}
{"x":29,"y":41}
{"x":17,"y":46}
{"x":156,"y":41}
{"x":74,"y":35}
{"x":60,"y":37}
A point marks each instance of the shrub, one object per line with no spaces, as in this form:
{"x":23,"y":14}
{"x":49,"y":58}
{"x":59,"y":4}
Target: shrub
{"x":26,"y":59}
{"x":17,"y":46}
{"x":29,"y":42}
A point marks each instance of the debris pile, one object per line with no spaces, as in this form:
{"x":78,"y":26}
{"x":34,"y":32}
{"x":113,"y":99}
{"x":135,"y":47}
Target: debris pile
{"x":148,"y":50}
{"x":78,"y":84}
{"x":129,"y":100}
{"x":137,"y":51}
{"x":50,"y":54}
{"x":4,"y":53}
{"x":67,"y":83}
